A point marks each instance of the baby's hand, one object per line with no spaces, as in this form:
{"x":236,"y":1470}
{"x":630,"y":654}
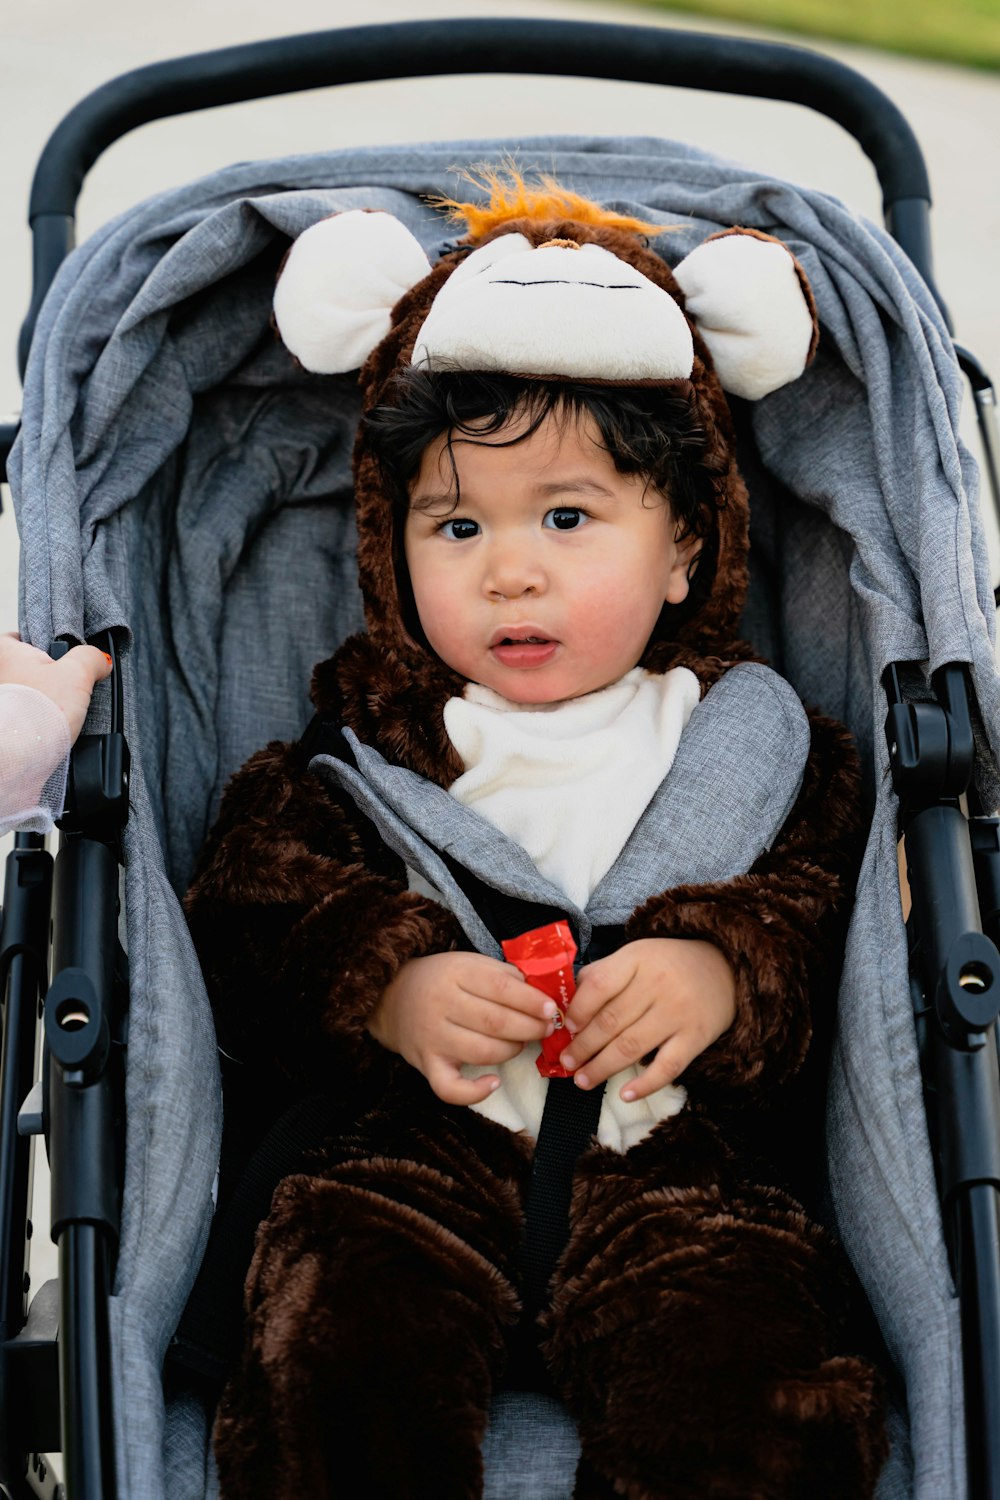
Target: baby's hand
{"x":69,"y":681}
{"x":452,"y":1008}
{"x":671,"y":996}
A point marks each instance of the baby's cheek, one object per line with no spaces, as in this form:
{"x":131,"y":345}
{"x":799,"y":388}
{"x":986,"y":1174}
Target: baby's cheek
{"x":608,"y":629}
{"x":448,"y":631}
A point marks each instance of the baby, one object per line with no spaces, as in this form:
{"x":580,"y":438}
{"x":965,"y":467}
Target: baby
{"x":552,"y":696}
{"x":43,"y":704}
{"x":539,"y":572}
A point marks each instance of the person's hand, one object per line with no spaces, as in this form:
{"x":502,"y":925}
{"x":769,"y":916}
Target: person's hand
{"x":447,"y":1009}
{"x":671,"y":996}
{"x":69,"y":681}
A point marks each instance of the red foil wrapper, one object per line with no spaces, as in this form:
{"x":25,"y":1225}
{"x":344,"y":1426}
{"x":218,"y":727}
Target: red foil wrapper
{"x":545,"y":957}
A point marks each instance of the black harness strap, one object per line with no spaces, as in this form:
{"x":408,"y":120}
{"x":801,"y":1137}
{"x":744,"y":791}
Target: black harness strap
{"x":208,"y":1338}
{"x":569,"y":1120}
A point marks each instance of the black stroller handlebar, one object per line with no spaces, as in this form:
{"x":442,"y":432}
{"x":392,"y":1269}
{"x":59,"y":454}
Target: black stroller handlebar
{"x":408,"y":49}
{"x":357,"y":54}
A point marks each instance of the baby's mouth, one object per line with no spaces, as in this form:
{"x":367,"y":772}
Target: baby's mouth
{"x":527,"y":648}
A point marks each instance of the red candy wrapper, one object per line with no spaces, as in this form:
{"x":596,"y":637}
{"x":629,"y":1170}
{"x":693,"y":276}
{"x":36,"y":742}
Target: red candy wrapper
{"x":545,"y":957}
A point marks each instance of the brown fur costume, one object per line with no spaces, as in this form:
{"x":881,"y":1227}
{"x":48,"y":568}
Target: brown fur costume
{"x":695,"y":1321}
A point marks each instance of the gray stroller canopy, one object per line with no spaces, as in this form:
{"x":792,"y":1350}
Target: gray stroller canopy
{"x":179,"y":481}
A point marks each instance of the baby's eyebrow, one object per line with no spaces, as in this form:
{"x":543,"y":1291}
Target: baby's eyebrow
{"x":428,"y":501}
{"x":573,"y":484}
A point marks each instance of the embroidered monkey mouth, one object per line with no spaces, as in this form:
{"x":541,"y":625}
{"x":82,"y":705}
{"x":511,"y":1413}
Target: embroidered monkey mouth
{"x":602,"y":286}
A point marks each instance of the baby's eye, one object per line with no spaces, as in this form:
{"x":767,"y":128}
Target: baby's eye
{"x":565,"y":518}
{"x":460,"y":530}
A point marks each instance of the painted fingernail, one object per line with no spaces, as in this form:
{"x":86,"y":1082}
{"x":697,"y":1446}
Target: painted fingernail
{"x":567,"y":1061}
{"x":582,"y":1080}
{"x":107,"y":658}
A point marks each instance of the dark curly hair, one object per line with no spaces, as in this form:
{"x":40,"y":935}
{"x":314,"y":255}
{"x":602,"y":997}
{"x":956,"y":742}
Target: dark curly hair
{"x":651,"y":431}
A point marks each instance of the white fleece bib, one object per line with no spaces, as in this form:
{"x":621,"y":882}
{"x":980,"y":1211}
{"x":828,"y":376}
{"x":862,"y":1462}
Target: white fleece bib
{"x":569,"y":781}
{"x":539,"y":774}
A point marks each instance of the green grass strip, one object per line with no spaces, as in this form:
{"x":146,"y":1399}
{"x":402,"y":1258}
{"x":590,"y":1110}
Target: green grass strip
{"x":956,"y":31}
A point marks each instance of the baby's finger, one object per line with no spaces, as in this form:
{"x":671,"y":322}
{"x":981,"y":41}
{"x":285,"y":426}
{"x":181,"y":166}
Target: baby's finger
{"x":614,"y":1017}
{"x":445,"y":1078}
{"x":598,"y":984}
{"x":505,"y":986}
{"x":639,"y":1036}
{"x":473,"y":1047}
{"x":490,"y":1019}
{"x":666,"y":1067}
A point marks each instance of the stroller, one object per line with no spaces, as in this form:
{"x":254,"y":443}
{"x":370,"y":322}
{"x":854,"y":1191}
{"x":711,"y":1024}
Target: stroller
{"x":177,"y":480}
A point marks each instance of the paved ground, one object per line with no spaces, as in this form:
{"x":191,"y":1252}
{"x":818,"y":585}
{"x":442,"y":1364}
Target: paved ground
{"x":55,"y":51}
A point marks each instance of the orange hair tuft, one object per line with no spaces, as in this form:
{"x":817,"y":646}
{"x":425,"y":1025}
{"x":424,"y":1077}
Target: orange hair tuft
{"x":511,"y":197}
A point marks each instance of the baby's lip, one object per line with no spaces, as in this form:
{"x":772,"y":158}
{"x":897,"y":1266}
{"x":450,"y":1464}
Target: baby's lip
{"x":525,"y":632}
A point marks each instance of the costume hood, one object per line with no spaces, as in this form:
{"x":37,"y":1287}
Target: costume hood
{"x":548,"y":285}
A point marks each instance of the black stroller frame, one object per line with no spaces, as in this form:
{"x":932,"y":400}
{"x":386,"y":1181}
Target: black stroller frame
{"x":55,"y":1390}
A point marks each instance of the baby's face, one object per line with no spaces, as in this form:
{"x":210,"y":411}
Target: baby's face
{"x":546,"y":580}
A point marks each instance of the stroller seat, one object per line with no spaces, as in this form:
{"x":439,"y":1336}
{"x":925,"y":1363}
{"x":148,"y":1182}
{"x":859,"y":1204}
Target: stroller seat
{"x":182,"y":485}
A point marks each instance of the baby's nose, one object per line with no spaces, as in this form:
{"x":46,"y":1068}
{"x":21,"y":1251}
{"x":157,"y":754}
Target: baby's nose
{"x":498,"y":596}
{"x":513,"y":577}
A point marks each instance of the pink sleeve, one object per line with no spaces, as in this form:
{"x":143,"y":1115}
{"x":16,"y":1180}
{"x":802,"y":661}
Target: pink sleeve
{"x":34,"y":758}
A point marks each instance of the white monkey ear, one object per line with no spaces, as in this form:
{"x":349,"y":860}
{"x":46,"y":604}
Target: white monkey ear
{"x":339,"y":283}
{"x":747,"y":294}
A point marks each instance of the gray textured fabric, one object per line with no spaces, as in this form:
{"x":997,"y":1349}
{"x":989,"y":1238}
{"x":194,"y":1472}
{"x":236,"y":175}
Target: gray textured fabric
{"x":877,"y":1137}
{"x":750,"y":735}
{"x":189,"y":1472}
{"x":538,"y":1427}
{"x":896,"y":1479}
{"x":174,"y":1127}
{"x":416,"y":818}
{"x":179,"y":481}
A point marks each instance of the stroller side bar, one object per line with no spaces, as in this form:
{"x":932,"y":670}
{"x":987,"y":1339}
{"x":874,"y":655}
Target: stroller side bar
{"x":80,"y":1129}
{"x":80,"y":1025}
{"x":23,"y":974}
{"x":81,"y":1095}
{"x":9,"y":428}
{"x":956,"y":981}
{"x":984,"y":397}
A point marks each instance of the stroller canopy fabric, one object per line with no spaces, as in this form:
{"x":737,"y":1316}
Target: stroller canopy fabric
{"x":180,"y":481}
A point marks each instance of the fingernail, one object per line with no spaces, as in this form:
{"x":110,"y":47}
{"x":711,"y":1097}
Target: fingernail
{"x":582,"y":1080}
{"x":567,"y":1061}
{"x":628,"y":1094}
{"x":494,"y":1085}
{"x":550,"y":1010}
{"x":570,"y":1027}
{"x":107,"y":658}
{"x":550,"y":1028}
